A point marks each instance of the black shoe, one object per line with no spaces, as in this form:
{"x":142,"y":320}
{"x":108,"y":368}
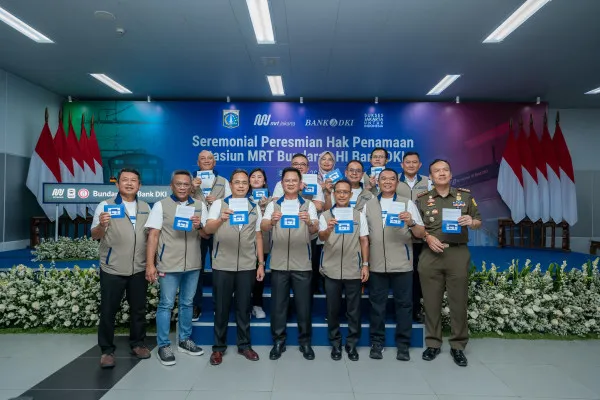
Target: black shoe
{"x":431,"y":353}
{"x":376,"y":352}
{"x":278,"y":348}
{"x":307,"y":352}
{"x":196,"y":313}
{"x":336,"y":353}
{"x":459,"y":357}
{"x":352,"y":353}
{"x":402,"y":354}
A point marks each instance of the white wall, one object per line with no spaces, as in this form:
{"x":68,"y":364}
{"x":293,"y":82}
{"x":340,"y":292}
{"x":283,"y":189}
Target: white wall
{"x":22,"y":106}
{"x":581,"y":128}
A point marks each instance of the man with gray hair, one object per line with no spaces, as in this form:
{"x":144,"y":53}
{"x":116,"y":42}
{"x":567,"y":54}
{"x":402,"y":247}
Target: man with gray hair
{"x":173,"y":258}
{"x":207,"y":193}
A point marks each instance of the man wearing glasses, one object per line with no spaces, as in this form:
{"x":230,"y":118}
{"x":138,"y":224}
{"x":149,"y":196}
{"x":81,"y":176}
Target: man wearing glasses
{"x":393,"y":221}
{"x":379,"y":158}
{"x":360,"y":196}
{"x":173,"y":259}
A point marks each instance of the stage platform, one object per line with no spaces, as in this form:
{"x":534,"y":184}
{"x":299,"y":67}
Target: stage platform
{"x":502,"y":257}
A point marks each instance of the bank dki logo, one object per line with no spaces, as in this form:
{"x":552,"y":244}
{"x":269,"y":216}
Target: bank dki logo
{"x":83,"y":193}
{"x":231,"y":119}
{"x":344,"y":226}
{"x":70,"y":193}
{"x":114,"y":211}
{"x":58,"y":193}
{"x":452,"y":227}
{"x":182,"y":224}
{"x":238,"y":218}
{"x":394,"y":220}
{"x":289,"y":221}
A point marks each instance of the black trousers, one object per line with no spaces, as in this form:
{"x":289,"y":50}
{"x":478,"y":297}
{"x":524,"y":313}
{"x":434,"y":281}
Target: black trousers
{"x":300,"y":282}
{"x":206,"y":247}
{"x":333,"y":290}
{"x":259,"y":287}
{"x":317,"y":278}
{"x":112,"y":288}
{"x":401,"y":284}
{"x":417,"y":294}
{"x":225,"y":284}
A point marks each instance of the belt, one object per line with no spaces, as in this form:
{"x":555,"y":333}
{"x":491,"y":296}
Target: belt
{"x":453,"y":244}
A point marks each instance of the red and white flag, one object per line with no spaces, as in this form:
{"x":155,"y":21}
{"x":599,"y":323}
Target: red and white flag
{"x":44,"y":168}
{"x":67,"y":174}
{"x":530,"y":184}
{"x":553,"y":170}
{"x":542,"y":174}
{"x":78,"y":165}
{"x":89,"y":165}
{"x":95,"y":152}
{"x":510,"y":179}
{"x":567,"y":176}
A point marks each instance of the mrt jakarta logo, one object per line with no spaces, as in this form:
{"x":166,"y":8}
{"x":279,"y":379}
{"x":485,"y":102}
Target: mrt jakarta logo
{"x":231,"y":119}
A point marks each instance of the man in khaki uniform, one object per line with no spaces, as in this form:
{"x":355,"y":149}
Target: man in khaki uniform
{"x":444,"y":262}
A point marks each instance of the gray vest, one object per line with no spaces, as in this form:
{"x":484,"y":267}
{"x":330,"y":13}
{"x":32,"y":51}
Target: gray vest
{"x":178,"y":251}
{"x":404,"y":190}
{"x":234,"y":249}
{"x":341,"y":257}
{"x":290,"y":248}
{"x":363,"y":198}
{"x":390,"y":249}
{"x":123,"y":250}
{"x":218,"y":189}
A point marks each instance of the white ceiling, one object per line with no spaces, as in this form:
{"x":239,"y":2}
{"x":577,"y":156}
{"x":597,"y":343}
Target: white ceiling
{"x":326,"y":49}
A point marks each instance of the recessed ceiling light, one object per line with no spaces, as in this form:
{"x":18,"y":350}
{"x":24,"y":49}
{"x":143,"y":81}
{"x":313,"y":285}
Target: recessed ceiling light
{"x":111,"y":83}
{"x":594,"y":91}
{"x":261,"y":21}
{"x":443,"y":84}
{"x":276,"y":85}
{"x":22,"y":27}
{"x":517,"y":18}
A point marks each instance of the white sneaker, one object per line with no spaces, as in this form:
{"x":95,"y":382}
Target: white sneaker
{"x":258,"y":312}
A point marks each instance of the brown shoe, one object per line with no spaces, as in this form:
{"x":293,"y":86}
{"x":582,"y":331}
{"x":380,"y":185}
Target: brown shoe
{"x":216,"y":358}
{"x":107,"y":361}
{"x":249,"y":354}
{"x":141,"y":352}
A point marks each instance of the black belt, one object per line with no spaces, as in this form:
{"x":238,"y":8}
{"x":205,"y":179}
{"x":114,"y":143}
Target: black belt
{"x":453,"y":244}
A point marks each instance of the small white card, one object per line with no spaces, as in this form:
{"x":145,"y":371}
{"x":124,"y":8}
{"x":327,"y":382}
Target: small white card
{"x":450,"y":220}
{"x":208,"y":179}
{"x":238,"y":204}
{"x":396,"y":207}
{"x":375,"y":171}
{"x":343,"y":213}
{"x":290,"y":208}
{"x":310,"y":180}
{"x":184,"y":211}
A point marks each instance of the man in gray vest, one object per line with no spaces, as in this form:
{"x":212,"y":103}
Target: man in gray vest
{"x":238,"y":247}
{"x":391,"y":220}
{"x":218,"y":190}
{"x":345,"y":265}
{"x":119,"y":225}
{"x":409,"y":186}
{"x":291,"y":261}
{"x":379,"y":158}
{"x":173,"y":258}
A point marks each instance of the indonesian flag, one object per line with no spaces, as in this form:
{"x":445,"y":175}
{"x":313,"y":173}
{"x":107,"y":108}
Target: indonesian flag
{"x":510,"y":179}
{"x":67,"y":174}
{"x":89,"y":166}
{"x":530,"y":184}
{"x":44,"y":168}
{"x":567,"y":176}
{"x":553,"y":170}
{"x":78,"y":166}
{"x":95,"y":152}
{"x":542,"y":174}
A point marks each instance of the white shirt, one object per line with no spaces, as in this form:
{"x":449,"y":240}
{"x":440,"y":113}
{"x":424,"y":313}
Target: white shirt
{"x":130,"y":206}
{"x":411,"y":183}
{"x":353,"y":199}
{"x":278,"y":192}
{"x":215,"y":213}
{"x":312,"y":211}
{"x":411,"y":208}
{"x":364,"y":228}
{"x":155,"y":219}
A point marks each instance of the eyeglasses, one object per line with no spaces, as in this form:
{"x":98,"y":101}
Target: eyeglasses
{"x":379,"y":156}
{"x":298,"y":164}
{"x":240,"y":183}
{"x":181,"y":185}
{"x":355,"y":171}
{"x":343,"y":192}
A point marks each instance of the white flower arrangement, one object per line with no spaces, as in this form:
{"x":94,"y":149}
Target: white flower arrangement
{"x":517,"y":300}
{"x":66,"y":248}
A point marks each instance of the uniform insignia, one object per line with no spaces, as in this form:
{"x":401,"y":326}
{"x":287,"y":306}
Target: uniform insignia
{"x":427,"y":212}
{"x":434,"y":212}
{"x":464,"y":190}
{"x":458,"y":197}
{"x":423,"y":193}
{"x":458,"y":204}
{"x":473,"y":201}
{"x":431,"y":219}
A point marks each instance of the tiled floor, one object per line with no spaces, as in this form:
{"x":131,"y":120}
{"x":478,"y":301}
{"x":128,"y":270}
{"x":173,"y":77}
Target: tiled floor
{"x":498,"y":370}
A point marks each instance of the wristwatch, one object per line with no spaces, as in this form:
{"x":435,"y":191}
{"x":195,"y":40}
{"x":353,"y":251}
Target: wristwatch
{"x":261,"y":263}
{"x":412,"y":223}
{"x":365,"y":264}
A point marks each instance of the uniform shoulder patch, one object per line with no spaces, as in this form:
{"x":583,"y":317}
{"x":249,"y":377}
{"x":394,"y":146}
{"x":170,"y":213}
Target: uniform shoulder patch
{"x":464,"y":190}
{"x":422,"y":193}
